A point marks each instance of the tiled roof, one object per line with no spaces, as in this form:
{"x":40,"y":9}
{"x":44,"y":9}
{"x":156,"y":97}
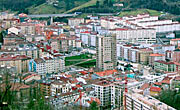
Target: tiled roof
{"x":158,"y":83}
{"x":83,"y":72}
{"x":30,"y":76}
{"x":18,"y":57}
{"x":16,"y":86}
{"x":155,"y":89}
{"x":175,"y":39}
{"x":144,"y":86}
{"x":164,"y":62}
{"x":177,"y":78}
{"x":39,"y":60}
{"x":106,"y":73}
{"x":156,"y":55}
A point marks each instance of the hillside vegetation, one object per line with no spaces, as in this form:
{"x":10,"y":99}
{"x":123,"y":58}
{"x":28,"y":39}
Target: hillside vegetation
{"x":171,"y":6}
{"x":88,"y":6}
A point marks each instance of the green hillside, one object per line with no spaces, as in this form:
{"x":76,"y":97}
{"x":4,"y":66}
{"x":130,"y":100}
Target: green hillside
{"x":89,"y":6}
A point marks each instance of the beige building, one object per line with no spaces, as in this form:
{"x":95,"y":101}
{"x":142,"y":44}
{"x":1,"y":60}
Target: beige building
{"x":5,"y":15}
{"x":7,"y":23}
{"x":106,"y":52}
{"x":75,"y":21}
{"x":144,"y":55}
{"x":27,"y":28}
{"x":19,"y":61}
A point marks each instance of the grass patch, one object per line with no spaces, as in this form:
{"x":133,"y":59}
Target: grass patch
{"x":82,"y":56}
{"x":87,"y":4}
{"x":44,"y":9}
{"x":88,"y":64}
{"x":76,"y":59}
{"x":68,"y":63}
{"x":140,"y":11}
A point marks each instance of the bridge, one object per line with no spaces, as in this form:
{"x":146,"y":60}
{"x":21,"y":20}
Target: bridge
{"x":51,"y":15}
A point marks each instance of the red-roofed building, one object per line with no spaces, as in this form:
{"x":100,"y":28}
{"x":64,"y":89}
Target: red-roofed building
{"x":18,"y":61}
{"x":155,"y":57}
{"x":31,"y":77}
{"x":175,"y":42}
{"x":83,"y":72}
{"x":106,"y":73}
{"x":164,"y":66}
{"x":155,"y":91}
{"x":176,"y":55}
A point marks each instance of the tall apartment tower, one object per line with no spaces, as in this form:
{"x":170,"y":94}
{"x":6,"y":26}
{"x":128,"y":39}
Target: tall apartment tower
{"x":106,"y":58}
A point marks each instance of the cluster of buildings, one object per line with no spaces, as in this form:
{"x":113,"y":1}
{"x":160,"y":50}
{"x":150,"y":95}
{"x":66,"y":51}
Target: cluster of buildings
{"x":37,"y":51}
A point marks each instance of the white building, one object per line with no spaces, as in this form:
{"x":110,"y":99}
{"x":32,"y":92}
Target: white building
{"x":147,"y":36}
{"x":59,"y":87}
{"x":166,"y":27}
{"x":161,"y":49}
{"x":47,"y":65}
{"x":135,"y":101}
{"x":85,"y":37}
{"x":107,"y":92}
{"x":13,"y":30}
{"x":154,"y":22}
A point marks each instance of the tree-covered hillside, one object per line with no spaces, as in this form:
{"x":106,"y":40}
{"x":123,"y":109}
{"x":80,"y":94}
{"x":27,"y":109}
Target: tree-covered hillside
{"x":171,"y":6}
{"x":61,"y":6}
{"x":19,"y":5}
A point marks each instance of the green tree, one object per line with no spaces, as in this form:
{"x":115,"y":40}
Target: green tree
{"x":97,"y":4}
{"x":93,"y":106}
{"x":171,"y":98}
{"x":1,"y":37}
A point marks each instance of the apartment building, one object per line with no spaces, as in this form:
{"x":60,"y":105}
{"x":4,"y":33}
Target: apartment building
{"x":106,"y":52}
{"x":47,"y":65}
{"x":176,"y":55}
{"x":144,"y":54}
{"x":7,"y":23}
{"x":45,"y":88}
{"x":59,"y":87}
{"x":108,"y":23}
{"x":108,"y":93}
{"x":175,"y":42}
{"x":155,"y":57}
{"x":11,"y":38}
{"x":164,"y":66}
{"x":5,"y":15}
{"x":31,"y":52}
{"x":27,"y":28}
{"x":161,"y":49}
{"x":162,"y":28}
{"x":75,"y":21}
{"x":136,"y":101}
{"x":147,"y":21}
{"x":142,"y":36}
{"x":88,"y":38}
{"x":20,"y":62}
{"x":128,"y":52}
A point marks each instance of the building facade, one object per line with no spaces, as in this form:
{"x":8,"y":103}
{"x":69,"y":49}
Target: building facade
{"x":47,"y":65}
{"x":106,"y":52}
